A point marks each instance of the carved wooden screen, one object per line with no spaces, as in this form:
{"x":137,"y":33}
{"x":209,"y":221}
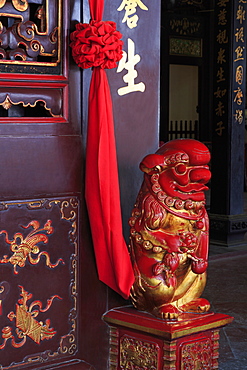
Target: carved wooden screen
{"x":40,"y":185}
{"x":31,"y":43}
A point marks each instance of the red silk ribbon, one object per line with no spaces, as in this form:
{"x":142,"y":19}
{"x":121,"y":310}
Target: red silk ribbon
{"x":102,"y":49}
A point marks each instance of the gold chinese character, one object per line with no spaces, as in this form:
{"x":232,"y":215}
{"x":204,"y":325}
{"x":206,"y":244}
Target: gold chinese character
{"x":129,"y":65}
{"x":222,"y":3}
{"x":241,"y":14}
{"x":220,"y":128}
{"x":222,"y":37}
{"x":220,"y":75}
{"x":239,"y":116}
{"x":239,"y":53}
{"x":239,"y":34}
{"x":239,"y":74}
{"x":238,"y":96}
{"x":220,"y":109}
{"x":219,"y":93}
{"x":130,"y":8}
{"x":221,"y":56}
{"x":222,"y":17}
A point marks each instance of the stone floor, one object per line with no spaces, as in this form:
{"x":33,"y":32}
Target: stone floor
{"x":227,"y":292}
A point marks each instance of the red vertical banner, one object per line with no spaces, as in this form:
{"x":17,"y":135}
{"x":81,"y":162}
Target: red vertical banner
{"x":98,"y":45}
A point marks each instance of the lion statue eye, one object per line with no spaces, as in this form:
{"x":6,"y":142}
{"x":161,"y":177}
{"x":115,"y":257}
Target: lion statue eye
{"x":181,"y":169}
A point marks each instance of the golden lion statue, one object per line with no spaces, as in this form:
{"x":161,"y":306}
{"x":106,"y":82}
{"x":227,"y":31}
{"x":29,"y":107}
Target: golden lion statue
{"x":169,"y":231}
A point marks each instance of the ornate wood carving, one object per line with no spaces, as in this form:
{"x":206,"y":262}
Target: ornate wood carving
{"x":170,"y":355}
{"x":38,"y":256}
{"x":114,"y":348}
{"x":138,"y":354}
{"x":196,"y":355}
{"x":30,"y":46}
{"x":50,"y":98}
{"x":169,"y":231}
{"x":143,"y":341}
{"x":30,"y":31}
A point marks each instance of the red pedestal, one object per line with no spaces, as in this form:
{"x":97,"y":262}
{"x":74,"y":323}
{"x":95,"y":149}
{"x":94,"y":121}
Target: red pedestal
{"x":139,"y":341}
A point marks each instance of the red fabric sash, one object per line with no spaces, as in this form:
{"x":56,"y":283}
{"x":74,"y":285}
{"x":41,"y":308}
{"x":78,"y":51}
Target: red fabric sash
{"x":102,"y":186}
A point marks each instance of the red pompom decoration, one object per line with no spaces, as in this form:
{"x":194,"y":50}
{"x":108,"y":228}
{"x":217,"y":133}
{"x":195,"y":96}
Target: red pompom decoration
{"x":97,"y":44}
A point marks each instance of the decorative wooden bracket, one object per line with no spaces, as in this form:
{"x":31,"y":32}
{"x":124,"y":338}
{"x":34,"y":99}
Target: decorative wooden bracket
{"x":51,"y":98}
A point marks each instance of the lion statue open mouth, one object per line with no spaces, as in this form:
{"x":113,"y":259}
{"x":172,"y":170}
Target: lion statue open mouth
{"x":169,"y":231}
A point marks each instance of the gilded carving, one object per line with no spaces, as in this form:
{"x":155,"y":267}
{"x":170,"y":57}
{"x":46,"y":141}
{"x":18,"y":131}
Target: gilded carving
{"x":184,"y":26}
{"x":68,"y":344}
{"x":169,"y":231}
{"x":193,"y":2}
{"x":48,"y":100}
{"x":196,"y":355}
{"x":26,"y":324}
{"x":31,"y":38}
{"x":23,"y":248}
{"x":26,"y":321}
{"x":137,"y":354}
{"x":7,"y":103}
{"x":68,"y":209}
{"x":179,"y":46}
{"x":20,"y":5}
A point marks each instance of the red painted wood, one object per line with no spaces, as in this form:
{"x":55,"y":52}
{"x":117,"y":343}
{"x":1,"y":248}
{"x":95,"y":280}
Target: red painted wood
{"x":140,"y":338}
{"x":41,"y":158}
{"x":32,"y":84}
{"x":147,"y":323}
{"x":33,"y":77}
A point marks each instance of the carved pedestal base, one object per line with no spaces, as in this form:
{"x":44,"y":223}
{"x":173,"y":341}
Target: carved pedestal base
{"x":140,"y":341}
{"x":228,"y":231}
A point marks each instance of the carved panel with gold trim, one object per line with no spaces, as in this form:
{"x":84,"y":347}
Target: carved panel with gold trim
{"x":39,"y":262}
{"x":30,"y":31}
{"x":138,"y":354}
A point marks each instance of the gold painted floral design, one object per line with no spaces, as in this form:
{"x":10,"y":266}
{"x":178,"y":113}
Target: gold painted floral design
{"x":26,"y":324}
{"x":25,"y":248}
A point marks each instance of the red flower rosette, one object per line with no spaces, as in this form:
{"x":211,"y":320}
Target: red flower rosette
{"x":97,"y":44}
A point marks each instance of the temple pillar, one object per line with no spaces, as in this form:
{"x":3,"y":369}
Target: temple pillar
{"x":228,"y":221}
